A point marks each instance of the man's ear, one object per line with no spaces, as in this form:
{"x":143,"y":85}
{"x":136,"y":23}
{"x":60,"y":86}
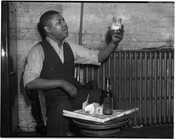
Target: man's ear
{"x":47,"y":29}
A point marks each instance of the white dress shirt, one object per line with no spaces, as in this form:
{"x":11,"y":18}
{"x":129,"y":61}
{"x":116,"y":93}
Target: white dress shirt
{"x":35,"y":58}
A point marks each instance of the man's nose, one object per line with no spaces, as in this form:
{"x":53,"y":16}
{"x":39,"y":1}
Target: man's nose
{"x":64,"y":23}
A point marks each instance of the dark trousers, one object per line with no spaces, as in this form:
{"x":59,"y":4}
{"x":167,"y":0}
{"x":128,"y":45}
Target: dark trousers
{"x":57,"y":124}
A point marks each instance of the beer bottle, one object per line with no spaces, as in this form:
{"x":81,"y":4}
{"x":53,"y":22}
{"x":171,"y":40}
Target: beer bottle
{"x":108,"y":98}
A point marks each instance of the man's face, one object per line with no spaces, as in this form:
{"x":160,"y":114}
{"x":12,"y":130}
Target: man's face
{"x":58,"y":27}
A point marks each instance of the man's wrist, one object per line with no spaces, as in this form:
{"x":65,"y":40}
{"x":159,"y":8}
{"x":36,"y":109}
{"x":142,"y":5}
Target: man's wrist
{"x":115,"y":44}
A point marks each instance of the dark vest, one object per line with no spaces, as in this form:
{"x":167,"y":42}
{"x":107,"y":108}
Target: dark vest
{"x":53,"y":68}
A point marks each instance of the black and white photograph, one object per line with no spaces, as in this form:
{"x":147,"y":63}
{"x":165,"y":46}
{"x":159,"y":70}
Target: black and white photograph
{"x":87,"y":69}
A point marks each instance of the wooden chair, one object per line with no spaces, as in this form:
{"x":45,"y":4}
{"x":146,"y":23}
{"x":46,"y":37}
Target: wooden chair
{"x":38,"y":109}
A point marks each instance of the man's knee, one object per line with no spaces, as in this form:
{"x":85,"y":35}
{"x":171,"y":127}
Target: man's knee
{"x":95,"y":95}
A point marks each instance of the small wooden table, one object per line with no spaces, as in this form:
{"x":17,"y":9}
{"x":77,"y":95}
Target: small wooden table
{"x":111,"y":128}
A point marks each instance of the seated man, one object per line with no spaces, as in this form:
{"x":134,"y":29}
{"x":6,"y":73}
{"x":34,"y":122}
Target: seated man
{"x":50,"y":66}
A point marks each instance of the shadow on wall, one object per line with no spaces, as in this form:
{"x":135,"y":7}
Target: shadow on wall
{"x":13,"y":82}
{"x":22,"y":89}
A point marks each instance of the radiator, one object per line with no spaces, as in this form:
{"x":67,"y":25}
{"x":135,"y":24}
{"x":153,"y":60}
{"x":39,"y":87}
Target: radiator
{"x":143,"y":79}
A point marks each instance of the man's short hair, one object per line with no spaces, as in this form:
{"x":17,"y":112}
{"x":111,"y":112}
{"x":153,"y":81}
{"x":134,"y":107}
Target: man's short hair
{"x":44,"y":19}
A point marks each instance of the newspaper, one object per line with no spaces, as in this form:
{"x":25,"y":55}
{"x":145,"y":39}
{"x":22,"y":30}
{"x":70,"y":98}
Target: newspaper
{"x":78,"y":114}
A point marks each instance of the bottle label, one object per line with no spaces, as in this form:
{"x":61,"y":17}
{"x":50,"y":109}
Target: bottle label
{"x":108,"y":106}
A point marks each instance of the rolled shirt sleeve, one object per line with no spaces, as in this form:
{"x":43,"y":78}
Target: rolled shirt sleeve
{"x":34,"y":64}
{"x":85,"y":55}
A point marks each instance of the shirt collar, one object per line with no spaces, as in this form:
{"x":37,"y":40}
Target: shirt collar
{"x":54,"y":43}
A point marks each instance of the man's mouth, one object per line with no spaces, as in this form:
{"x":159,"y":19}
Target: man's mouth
{"x":65,"y":29}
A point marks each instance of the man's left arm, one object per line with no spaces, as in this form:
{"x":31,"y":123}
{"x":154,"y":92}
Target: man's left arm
{"x":105,"y":53}
{"x":85,"y":55}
